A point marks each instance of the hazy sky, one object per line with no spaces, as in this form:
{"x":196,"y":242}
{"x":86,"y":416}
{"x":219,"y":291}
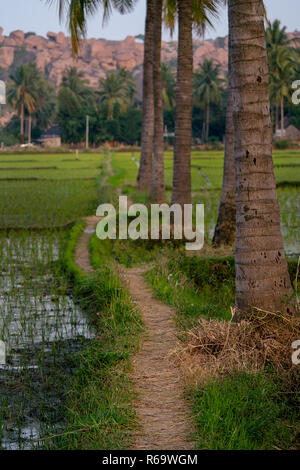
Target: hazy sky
{"x":37,"y":16}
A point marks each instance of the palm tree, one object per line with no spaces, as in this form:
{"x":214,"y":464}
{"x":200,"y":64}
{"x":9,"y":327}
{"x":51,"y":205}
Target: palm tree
{"x":197,"y":13}
{"x":129,"y":84}
{"x":157,"y":188}
{"x":183,"y":131}
{"x":276,"y":35}
{"x":168,"y":86}
{"x":113,"y":91}
{"x":281,"y":83}
{"x":282,"y":63}
{"x":224,"y":233}
{"x":78,"y":11}
{"x":25,"y":94}
{"x":145,"y":169}
{"x":74,"y":80}
{"x":262,"y":278}
{"x":208,"y":88}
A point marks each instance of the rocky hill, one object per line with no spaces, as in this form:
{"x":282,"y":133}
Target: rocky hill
{"x":97,"y":56}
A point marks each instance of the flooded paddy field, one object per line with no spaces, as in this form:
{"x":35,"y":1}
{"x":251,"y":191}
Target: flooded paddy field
{"x":42,"y":330}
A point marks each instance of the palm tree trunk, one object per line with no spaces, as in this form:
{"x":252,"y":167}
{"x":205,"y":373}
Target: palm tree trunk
{"x":262,"y":278}
{"x":183,"y":125}
{"x":203,"y":130}
{"x":145,"y":169}
{"x":207,"y":120}
{"x":282,"y":116}
{"x":157,"y":190}
{"x":110,"y":111}
{"x":22,"y":122}
{"x":225,"y":228}
{"x":29,"y":128}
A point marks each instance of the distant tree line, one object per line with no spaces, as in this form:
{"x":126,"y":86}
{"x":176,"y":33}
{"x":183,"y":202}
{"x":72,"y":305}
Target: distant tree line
{"x":113,"y":108}
{"x":115,"y":114}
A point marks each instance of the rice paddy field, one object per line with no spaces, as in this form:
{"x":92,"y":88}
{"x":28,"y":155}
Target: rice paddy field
{"x":43,"y":328}
{"x":207,"y":174}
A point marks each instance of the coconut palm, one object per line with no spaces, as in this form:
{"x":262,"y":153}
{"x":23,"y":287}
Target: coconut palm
{"x":78,"y":12}
{"x":281,"y":81}
{"x":112,"y":91}
{"x":129,"y":83}
{"x":157,"y":188}
{"x":197,"y":13}
{"x":282,"y":65}
{"x":262,"y":278}
{"x":168,"y":86}
{"x":276,"y":37}
{"x":208,"y":87}
{"x":224,"y":233}
{"x":145,"y":169}
{"x":201,"y":10}
{"x":73,"y":80}
{"x":25,"y":93}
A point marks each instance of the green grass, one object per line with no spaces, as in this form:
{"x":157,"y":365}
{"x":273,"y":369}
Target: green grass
{"x":174,"y":288}
{"x":100,"y":414}
{"x":198,"y":287}
{"x":240,"y":411}
{"x":243,"y":412}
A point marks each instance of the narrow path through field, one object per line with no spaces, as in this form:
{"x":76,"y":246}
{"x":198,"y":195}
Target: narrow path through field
{"x":82,"y":254}
{"x":161,"y":407}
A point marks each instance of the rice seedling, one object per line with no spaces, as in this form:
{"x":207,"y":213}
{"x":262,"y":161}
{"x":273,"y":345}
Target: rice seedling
{"x":42,"y":329}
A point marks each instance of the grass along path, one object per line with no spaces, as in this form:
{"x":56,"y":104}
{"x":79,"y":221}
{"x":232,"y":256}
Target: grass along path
{"x":82,"y":253}
{"x":161,"y":408}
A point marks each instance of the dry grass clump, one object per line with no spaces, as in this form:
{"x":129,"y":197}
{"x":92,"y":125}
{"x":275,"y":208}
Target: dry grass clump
{"x":216,"y":348}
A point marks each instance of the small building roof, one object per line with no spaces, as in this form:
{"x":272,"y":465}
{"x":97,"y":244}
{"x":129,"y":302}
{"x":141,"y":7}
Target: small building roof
{"x":53,"y":132}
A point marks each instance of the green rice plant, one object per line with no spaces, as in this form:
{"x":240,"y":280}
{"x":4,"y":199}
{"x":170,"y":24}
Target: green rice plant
{"x":42,"y":204}
{"x":42,"y":329}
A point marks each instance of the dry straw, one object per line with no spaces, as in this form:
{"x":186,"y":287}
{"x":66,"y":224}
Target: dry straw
{"x":216,"y":348}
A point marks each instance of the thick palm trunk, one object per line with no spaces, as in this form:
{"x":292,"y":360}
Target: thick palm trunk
{"x":29,"y":129}
{"x":277,"y":118}
{"x":282,"y":117}
{"x":145,"y":170}
{"x":225,"y":228}
{"x":22,"y":122}
{"x":157,"y":190}
{"x":262,"y":278}
{"x":183,"y":125}
{"x":207,"y":120}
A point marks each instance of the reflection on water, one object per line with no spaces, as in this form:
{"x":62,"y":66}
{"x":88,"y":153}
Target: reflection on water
{"x":43,"y":330}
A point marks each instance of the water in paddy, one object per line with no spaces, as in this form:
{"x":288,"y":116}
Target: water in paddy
{"x":43,"y":331}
